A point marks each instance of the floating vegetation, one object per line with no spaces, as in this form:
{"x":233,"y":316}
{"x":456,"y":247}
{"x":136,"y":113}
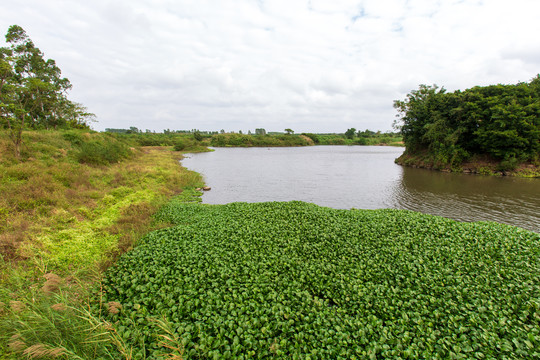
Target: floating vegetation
{"x":295,"y":280}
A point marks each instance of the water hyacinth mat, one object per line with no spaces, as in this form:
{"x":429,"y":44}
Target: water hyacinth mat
{"x":295,"y":280}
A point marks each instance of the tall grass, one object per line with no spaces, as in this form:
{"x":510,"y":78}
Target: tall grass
{"x":73,"y":219}
{"x":56,"y":325}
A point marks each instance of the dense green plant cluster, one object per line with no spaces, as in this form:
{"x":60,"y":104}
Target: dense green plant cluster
{"x":362,"y":138}
{"x":102,"y":151}
{"x":242,"y":140}
{"x":501,"y":121}
{"x":180,"y":141}
{"x":295,"y":280}
{"x":197,"y":140}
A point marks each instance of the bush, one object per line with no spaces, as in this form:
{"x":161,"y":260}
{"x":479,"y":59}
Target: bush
{"x":180,"y":145}
{"x":337,"y":141}
{"x":508,"y":164}
{"x":74,"y":137}
{"x":197,"y":136}
{"x":361,"y":141}
{"x":103,"y":152}
{"x":313,"y":137}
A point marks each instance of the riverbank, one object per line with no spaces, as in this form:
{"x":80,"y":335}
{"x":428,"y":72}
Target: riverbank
{"x":69,"y":208}
{"x":251,"y":259}
{"x":478,"y":165}
{"x":201,"y":140}
{"x":305,"y":139}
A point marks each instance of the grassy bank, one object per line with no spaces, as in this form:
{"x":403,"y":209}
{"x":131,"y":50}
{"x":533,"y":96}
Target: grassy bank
{"x":480,"y":165}
{"x":295,"y":280}
{"x":73,"y":203}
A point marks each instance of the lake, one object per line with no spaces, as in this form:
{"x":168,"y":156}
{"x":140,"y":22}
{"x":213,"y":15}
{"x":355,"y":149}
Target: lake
{"x":363,"y":177}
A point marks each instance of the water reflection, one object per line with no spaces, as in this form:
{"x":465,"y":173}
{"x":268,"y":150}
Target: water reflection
{"x":363,"y":177}
{"x":470,"y":197}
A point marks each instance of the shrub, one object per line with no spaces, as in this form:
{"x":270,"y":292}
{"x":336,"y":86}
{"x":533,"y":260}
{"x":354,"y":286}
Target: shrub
{"x":361,"y":141}
{"x":508,"y":164}
{"x":197,"y":136}
{"x":180,"y":145}
{"x":337,"y":141}
{"x":103,"y":152}
{"x":74,"y":137}
{"x":313,"y":137}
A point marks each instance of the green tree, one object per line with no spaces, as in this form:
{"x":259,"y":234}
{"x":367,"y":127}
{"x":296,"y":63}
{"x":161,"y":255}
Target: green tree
{"x":33,"y":93}
{"x":289,"y":131}
{"x":502,"y":121}
{"x":349,"y":134}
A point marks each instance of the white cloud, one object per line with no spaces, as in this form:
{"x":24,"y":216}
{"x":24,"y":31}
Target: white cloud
{"x":310,"y":65}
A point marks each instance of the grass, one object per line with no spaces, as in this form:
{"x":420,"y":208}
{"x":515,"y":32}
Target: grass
{"x":63,"y":215}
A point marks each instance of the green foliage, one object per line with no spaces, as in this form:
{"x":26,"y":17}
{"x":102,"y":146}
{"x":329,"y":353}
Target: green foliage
{"x":197,"y":136}
{"x":103,"y":151}
{"x":74,"y":137}
{"x":295,"y":280}
{"x":242,"y":140}
{"x":313,"y":137}
{"x":508,"y":164}
{"x":502,"y":121}
{"x":364,"y":138}
{"x":32,"y":91}
{"x":349,"y":134}
{"x":180,"y":145}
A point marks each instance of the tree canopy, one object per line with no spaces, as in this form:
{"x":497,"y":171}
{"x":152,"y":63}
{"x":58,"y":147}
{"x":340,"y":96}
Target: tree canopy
{"x":33,"y":93}
{"x":502,"y":121}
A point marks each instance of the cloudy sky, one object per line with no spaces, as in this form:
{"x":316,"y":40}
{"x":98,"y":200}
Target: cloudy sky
{"x":309,"y":65}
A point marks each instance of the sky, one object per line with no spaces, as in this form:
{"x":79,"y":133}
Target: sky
{"x":309,"y":65}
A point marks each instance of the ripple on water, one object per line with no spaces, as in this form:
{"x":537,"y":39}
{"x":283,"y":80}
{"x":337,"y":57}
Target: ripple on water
{"x":365,"y":177}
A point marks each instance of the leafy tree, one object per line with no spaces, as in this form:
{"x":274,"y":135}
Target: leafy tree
{"x":289,"y":131}
{"x":502,"y":121}
{"x":349,"y":134}
{"x":33,"y":93}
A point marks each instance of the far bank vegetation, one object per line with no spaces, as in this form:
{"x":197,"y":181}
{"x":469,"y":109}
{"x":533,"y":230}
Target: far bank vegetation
{"x":184,"y":140}
{"x":485,"y":129}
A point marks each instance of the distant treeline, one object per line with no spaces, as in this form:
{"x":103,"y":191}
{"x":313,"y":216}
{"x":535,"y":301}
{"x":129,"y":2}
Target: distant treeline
{"x":186,"y":140}
{"x":499,"y":121}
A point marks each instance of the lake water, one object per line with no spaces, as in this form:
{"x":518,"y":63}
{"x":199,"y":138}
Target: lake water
{"x":363,"y":177}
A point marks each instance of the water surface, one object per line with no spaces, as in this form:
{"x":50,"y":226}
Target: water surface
{"x":363,"y":177}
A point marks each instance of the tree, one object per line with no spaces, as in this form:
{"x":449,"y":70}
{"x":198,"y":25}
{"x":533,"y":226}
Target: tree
{"x":502,"y":121}
{"x":33,"y":93}
{"x":289,"y":131}
{"x":349,"y":134}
